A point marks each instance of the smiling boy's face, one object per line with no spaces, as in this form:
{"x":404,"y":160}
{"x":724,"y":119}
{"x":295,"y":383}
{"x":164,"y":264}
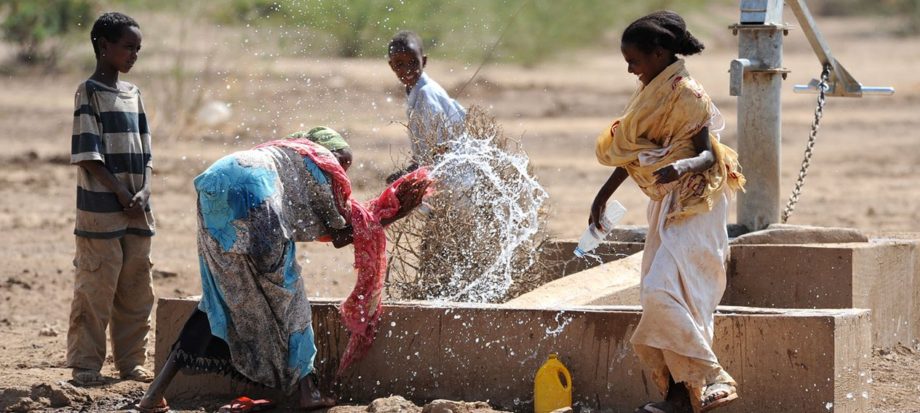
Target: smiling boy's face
{"x":407,"y":64}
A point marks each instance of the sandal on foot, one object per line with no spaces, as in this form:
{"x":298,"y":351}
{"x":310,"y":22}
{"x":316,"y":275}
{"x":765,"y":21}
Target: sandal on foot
{"x":659,"y":407}
{"x":160,"y":407}
{"x":718,"y":395}
{"x":138,"y":373}
{"x":87,"y":377}
{"x":244,"y":404}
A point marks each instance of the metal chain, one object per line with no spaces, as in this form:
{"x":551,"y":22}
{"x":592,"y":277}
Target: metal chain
{"x":809,"y":148}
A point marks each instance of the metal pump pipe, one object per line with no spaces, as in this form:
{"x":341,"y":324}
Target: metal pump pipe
{"x":757,"y":79}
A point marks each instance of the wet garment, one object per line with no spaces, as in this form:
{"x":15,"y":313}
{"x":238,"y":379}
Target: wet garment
{"x":683,"y":279}
{"x":198,"y":351}
{"x":659,"y":123}
{"x":252,"y":207}
{"x":361,"y":309}
{"x":431,"y":112}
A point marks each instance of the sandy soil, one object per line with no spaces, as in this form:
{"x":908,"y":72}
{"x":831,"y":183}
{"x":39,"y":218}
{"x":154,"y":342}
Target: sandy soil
{"x":863,"y":174}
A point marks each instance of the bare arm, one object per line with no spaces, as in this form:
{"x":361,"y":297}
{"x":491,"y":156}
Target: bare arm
{"x":342,"y":237}
{"x":345,"y":236}
{"x":600,"y":200}
{"x":102,"y":174}
{"x":702,"y":161}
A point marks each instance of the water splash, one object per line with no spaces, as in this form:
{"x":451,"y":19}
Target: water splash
{"x":503,"y":201}
{"x":560,"y":325}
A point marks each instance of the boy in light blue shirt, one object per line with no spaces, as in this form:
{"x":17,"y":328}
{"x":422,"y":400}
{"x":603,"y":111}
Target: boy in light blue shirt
{"x":430,"y":110}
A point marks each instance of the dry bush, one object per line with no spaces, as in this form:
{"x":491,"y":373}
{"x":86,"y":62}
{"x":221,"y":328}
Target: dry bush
{"x":480,"y":240}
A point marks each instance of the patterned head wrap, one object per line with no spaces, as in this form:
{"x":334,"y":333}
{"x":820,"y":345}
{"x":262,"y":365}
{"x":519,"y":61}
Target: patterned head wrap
{"x":324,"y":136}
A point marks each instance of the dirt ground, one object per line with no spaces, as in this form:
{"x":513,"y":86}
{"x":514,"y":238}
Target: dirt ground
{"x":863,"y":175}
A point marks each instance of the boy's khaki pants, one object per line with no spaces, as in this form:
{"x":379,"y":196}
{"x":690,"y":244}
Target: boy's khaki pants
{"x":113,"y":287}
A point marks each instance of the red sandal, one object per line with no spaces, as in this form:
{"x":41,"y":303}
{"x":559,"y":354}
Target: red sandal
{"x":244,"y":404}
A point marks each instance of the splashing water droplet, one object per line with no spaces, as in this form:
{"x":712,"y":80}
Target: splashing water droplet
{"x":506,"y":194}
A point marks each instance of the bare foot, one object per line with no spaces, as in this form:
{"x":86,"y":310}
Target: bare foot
{"x":310,"y":396}
{"x":679,"y":397}
{"x":148,"y":406}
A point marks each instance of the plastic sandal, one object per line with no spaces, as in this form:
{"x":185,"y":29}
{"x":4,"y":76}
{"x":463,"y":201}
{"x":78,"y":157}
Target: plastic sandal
{"x":161,"y":407}
{"x":711,"y":402}
{"x":244,"y":404}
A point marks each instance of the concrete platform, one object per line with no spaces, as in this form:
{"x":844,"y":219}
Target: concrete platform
{"x":881,"y":275}
{"x":611,"y":283}
{"x":784,"y":360}
{"x":559,"y":259}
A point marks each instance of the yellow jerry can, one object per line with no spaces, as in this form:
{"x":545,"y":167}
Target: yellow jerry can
{"x":552,"y":386}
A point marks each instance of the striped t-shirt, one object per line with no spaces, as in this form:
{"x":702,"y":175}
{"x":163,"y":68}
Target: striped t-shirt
{"x":109,"y":126}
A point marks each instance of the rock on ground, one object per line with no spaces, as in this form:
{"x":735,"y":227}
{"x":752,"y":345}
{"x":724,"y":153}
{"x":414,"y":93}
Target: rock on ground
{"x":398,"y":404}
{"x":43,"y":396}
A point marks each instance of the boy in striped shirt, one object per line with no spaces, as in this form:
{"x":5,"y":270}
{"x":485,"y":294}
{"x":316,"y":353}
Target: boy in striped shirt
{"x":114,"y":224}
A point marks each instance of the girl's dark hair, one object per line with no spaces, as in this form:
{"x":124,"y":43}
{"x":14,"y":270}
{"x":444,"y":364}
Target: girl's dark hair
{"x":111,"y":26}
{"x":405,"y":40}
{"x":665,"y":29}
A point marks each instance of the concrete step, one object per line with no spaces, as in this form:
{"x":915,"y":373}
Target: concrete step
{"x":784,"y":360}
{"x":882,"y":275}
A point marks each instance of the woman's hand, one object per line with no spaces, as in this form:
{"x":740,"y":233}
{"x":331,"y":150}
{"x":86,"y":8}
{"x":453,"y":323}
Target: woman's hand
{"x":703,"y":160}
{"x":399,"y":174}
{"x":410,"y":195}
{"x":597,"y":211}
{"x":600,"y":200}
{"x":669,"y":173}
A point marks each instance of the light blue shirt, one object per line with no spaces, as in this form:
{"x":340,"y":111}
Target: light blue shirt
{"x":428,"y":103}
